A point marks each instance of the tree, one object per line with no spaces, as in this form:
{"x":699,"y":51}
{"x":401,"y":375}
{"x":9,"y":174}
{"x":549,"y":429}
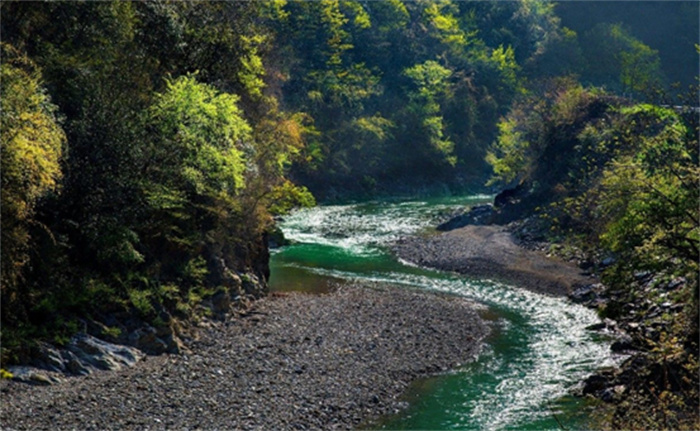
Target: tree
{"x":619,"y":61}
{"x":648,"y":196}
{"x":430,"y":82}
{"x":199,"y":149}
{"x":201,"y":139}
{"x":32,"y":147}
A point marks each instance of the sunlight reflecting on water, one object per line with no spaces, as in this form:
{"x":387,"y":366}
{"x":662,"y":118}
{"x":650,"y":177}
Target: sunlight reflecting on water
{"x":542,"y":348}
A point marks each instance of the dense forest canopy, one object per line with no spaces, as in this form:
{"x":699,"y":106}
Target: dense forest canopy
{"x":146,"y":146}
{"x":141,"y":158}
{"x":408,"y":93}
{"x":657,"y":24}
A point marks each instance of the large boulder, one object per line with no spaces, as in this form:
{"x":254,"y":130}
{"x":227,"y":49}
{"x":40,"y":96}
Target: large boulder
{"x":511,"y":196}
{"x":83,"y":355}
{"x":478,"y":215}
{"x":101,"y":355}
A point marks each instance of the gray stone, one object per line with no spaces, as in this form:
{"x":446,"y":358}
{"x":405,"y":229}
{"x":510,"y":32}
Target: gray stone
{"x":251,"y":285}
{"x":642,"y":275}
{"x":173,"y":343}
{"x":596,"y":327}
{"x":623,"y":344}
{"x":100,"y":354}
{"x":587,"y":293}
{"x":77,"y":367}
{"x":594,"y":384}
{"x":675,"y":283}
{"x":221,"y":302}
{"x":33,"y":376}
{"x":48,"y":357}
{"x":478,"y":215}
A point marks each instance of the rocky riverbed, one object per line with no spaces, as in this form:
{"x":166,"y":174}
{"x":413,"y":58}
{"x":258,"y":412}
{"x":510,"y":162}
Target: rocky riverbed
{"x":294,"y":361}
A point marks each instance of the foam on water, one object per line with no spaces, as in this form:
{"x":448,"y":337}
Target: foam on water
{"x":544,"y":347}
{"x":362,"y":227}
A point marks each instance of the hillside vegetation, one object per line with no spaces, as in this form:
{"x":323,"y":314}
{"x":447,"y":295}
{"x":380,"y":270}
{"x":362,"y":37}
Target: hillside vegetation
{"x":147,"y":146}
{"x":619,"y":182}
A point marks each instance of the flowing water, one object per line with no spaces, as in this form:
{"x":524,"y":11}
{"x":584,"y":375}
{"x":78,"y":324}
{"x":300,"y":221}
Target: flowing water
{"x":537,"y":351}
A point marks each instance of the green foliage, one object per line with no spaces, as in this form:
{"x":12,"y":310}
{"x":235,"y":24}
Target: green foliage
{"x":195,"y":271}
{"x":446,"y":26}
{"x":141,"y":300}
{"x":187,"y":125}
{"x":504,"y":59}
{"x":622,"y":179}
{"x":252,"y":70}
{"x":625,"y":179}
{"x":665,"y":392}
{"x":509,"y":155}
{"x":673,"y":34}
{"x":430,"y":79}
{"x":458,"y":64}
{"x":541,"y":131}
{"x":288,"y":196}
{"x":32,"y":146}
{"x":175,"y":151}
{"x":430,"y":82}
{"x":111,"y":332}
{"x":619,"y":60}
{"x":202,"y":137}
{"x":648,"y":194}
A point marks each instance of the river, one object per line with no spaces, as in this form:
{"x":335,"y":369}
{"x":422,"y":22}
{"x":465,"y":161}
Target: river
{"x":538,"y":348}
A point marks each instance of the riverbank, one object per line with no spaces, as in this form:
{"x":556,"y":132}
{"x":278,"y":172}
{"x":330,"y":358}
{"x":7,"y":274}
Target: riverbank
{"x":294,"y":361}
{"x":491,"y":251}
{"x":650,"y":314}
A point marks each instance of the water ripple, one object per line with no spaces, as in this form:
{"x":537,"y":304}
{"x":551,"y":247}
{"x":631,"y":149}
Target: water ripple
{"x":542,"y":350}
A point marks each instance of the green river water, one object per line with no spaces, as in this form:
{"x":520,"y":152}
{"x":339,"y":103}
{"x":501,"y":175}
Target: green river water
{"x":538,"y":348}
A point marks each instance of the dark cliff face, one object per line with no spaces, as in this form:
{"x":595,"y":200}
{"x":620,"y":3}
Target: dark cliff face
{"x":242,"y":267}
{"x":263,"y":261}
{"x":255,"y":260}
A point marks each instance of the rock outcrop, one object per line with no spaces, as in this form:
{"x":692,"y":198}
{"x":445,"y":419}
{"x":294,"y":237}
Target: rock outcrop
{"x":83,"y":355}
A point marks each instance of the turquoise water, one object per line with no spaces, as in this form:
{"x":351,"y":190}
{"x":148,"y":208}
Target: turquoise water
{"x":537,"y":351}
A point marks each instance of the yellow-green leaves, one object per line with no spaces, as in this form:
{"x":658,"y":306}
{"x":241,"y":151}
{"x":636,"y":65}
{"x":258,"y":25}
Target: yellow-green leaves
{"x":32,"y":144}
{"x":446,"y":25}
{"x":32,"y":140}
{"x":360,"y":17}
{"x":287,"y":196}
{"x":389,"y":15}
{"x":202,"y":137}
{"x":252,"y":70}
{"x":430,"y":77}
{"x":504,"y":59}
{"x":508,"y":155}
{"x":650,"y":191}
{"x":333,"y":20}
{"x":621,"y":60}
{"x":374,"y":128}
{"x":432,"y":81}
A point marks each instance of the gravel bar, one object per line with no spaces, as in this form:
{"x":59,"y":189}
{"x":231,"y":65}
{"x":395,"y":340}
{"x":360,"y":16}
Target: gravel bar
{"x":294,"y":361}
{"x":491,"y":252}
